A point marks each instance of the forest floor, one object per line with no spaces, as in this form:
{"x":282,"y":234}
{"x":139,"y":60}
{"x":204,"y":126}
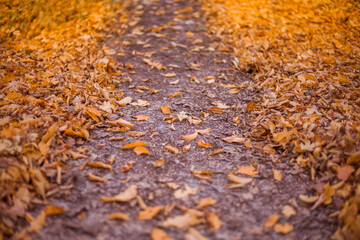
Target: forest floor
{"x":173,"y":156}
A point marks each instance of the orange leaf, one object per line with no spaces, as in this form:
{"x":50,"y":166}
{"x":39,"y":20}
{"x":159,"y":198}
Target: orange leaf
{"x":136,"y":134}
{"x":149,"y":213}
{"x":277,"y":175}
{"x":165,"y":109}
{"x":172,"y":149}
{"x":54,"y":210}
{"x":203,"y":144}
{"x":216,"y":110}
{"x":118,"y":216}
{"x":271,"y":220}
{"x":175,"y":94}
{"x":214,"y":221}
{"x":95,"y":178}
{"x":137,"y":143}
{"x":99,"y":165}
{"x":216,"y":151}
{"x":247,"y":170}
{"x":283,"y":228}
{"x":141,"y":151}
{"x":169,"y":75}
{"x":190,"y":137}
{"x":141,"y":118}
{"x":250,"y":106}
{"x":159,"y":163}
{"x":204,"y":131}
{"x":234,"y":139}
{"x":127,"y":167}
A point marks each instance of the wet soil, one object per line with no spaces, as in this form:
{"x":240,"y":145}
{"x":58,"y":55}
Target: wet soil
{"x":241,"y":210}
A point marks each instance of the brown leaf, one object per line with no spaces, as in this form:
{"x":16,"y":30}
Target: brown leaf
{"x":206,"y":202}
{"x":288,"y":211}
{"x":165,"y":109}
{"x":183,"y":221}
{"x":120,"y":123}
{"x":180,"y":193}
{"x":204,"y":131}
{"x":216,"y":151}
{"x":54,"y":210}
{"x":186,"y":148}
{"x":250,"y":106}
{"x":203,"y":144}
{"x":169,"y":75}
{"x":239,"y":181}
{"x":194,"y":234}
{"x":127,"y":166}
{"x":354,"y":158}
{"x":38,"y":223}
{"x":99,"y":165}
{"x":159,"y":163}
{"x":129,"y":194}
{"x":137,"y":143}
{"x":172,"y":149}
{"x":136,"y":134}
{"x":234,"y":139}
{"x":277,"y":175}
{"x":141,"y":118}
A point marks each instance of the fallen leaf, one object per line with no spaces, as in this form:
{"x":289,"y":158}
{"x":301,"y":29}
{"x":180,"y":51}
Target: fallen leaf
{"x":345,"y":172}
{"x":277,"y":175}
{"x":214,"y":221}
{"x":76,"y":155}
{"x":172,"y":149}
{"x":141,"y":118}
{"x":239,"y":181}
{"x":136,"y":134}
{"x":120,"y":123}
{"x":159,"y":163}
{"x":137,"y":143}
{"x":129,"y":194}
{"x":38,"y":223}
{"x":288,"y":211}
{"x":204,"y":131}
{"x":204,"y":202}
{"x":191,"y":136}
{"x":116,"y":138}
{"x":158,"y":234}
{"x":149,"y":213}
{"x":182,"y":193}
{"x":234,"y":139}
{"x":54,"y":210}
{"x":190,"y":218}
{"x":127,"y":166}
{"x":271,"y":220}
{"x":250,"y":106}
{"x":165,"y":109}
{"x":203,"y":144}
{"x":118,"y":216}
{"x":186,"y":148}
{"x":95,"y":178}
{"x":216,"y":151}
{"x":283,"y":228}
{"x":354,"y":158}
{"x":141,"y":151}
{"x":307,"y":199}
{"x":247,"y":170}
{"x":99,"y":165}
{"x":140,"y":103}
{"x":216,"y":110}
{"x":194,"y":234}
{"x":175,"y":94}
{"x":169,"y":75}
{"x":248,"y":144}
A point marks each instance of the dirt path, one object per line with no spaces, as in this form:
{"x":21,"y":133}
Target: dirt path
{"x":178,"y":39}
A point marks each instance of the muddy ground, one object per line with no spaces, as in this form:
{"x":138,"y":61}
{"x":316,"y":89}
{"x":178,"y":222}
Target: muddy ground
{"x":242,"y":211}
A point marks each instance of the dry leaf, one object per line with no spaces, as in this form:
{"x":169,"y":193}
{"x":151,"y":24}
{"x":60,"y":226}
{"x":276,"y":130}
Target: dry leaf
{"x":248,"y":144}
{"x":345,"y":172}
{"x":118,"y":216}
{"x":206,"y":202}
{"x":180,"y":193}
{"x":194,"y":234}
{"x":191,"y":136}
{"x":54,"y":210}
{"x":129,"y":194}
{"x":127,"y":167}
{"x":186,"y":148}
{"x":165,"y":109}
{"x":95,"y":178}
{"x":283,"y":228}
{"x":190,"y":218}
{"x":137,"y":143}
{"x":169,"y":75}
{"x":216,"y":151}
{"x":216,"y":110}
{"x":141,"y":151}
{"x":288,"y":211}
{"x":239,"y":181}
{"x":271,"y":220}
{"x":175,"y":94}
{"x":120,"y":123}
{"x":159,"y":163}
{"x":172,"y":149}
{"x":247,"y":170}
{"x":307,"y":199}
{"x":354,"y":158}
{"x":204,"y":131}
{"x":99,"y":165}
{"x":141,"y":118}
{"x":149,"y":213}
{"x":234,"y":139}
{"x":158,"y":234}
{"x":38,"y":223}
{"x":277,"y":175}
{"x":203,"y":144}
{"x":136,"y":134}
{"x":214,"y":221}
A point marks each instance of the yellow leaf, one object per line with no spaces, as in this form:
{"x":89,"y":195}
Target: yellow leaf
{"x":137,"y":143}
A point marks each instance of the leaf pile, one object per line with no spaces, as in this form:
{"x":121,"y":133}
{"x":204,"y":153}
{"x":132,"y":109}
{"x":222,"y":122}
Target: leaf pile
{"x":304,"y":59}
{"x":55,"y":85}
